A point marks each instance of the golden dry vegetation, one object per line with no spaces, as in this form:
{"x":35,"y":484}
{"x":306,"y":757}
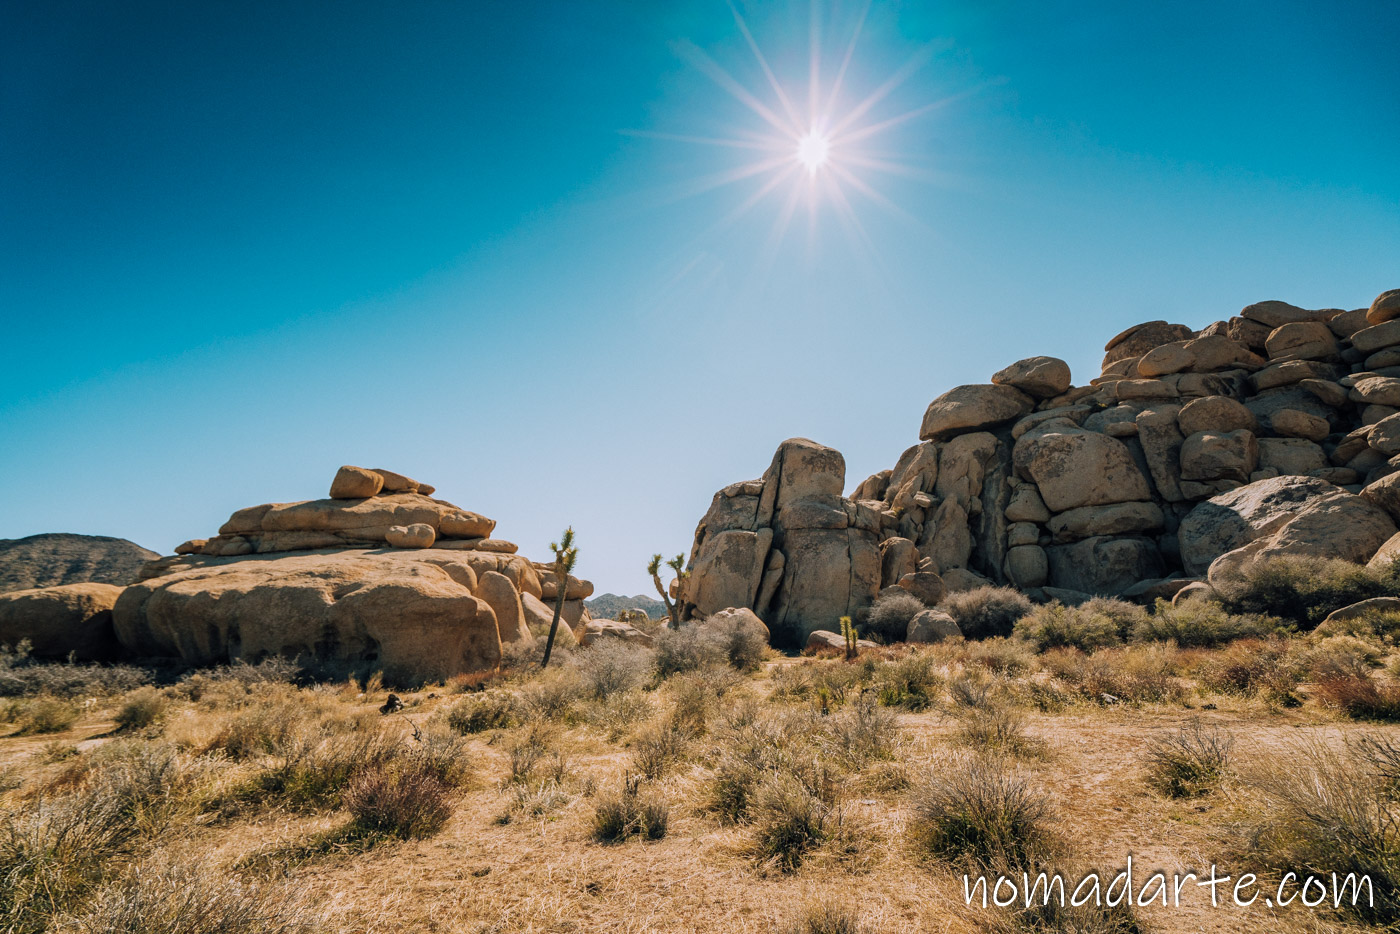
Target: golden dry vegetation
{"x":709,"y":786}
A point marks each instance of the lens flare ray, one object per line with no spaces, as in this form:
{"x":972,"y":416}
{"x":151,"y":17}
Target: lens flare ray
{"x":819,"y":147}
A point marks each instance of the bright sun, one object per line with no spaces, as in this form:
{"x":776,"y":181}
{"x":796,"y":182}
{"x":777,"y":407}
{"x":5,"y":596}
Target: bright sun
{"x":812,"y":151}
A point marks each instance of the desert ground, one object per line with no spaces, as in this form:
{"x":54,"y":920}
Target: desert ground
{"x":707,"y":783}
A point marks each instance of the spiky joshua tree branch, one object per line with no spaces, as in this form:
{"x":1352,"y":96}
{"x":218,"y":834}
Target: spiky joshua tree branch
{"x":677,"y":564}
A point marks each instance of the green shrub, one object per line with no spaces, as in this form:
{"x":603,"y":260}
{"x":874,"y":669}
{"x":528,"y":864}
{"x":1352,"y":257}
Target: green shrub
{"x":1305,"y":590}
{"x":788,"y":822}
{"x":1201,"y":623}
{"x":610,"y":666}
{"x":1081,"y":627}
{"x":630,"y":813}
{"x":978,"y":811}
{"x":889,"y":616}
{"x":997,"y":730}
{"x":142,"y":708}
{"x":910,"y":682}
{"x":986,"y":611}
{"x":47,"y":715}
{"x":658,"y":747}
{"x":491,"y":710}
{"x":1189,"y":762}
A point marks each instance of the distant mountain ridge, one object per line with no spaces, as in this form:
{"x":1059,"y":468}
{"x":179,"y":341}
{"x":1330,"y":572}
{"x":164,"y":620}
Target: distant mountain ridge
{"x":54,"y":558}
{"x":609,"y":605}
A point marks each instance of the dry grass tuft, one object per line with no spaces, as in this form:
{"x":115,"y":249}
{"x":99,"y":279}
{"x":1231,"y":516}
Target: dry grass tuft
{"x":1189,"y":762}
{"x":978,"y":811}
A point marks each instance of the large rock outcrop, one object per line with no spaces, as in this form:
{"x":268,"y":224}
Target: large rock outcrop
{"x":1247,"y":438}
{"x":394,"y":581}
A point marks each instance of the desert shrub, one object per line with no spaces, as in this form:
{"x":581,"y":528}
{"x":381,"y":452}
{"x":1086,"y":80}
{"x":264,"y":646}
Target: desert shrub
{"x":1360,"y":696}
{"x":1334,"y":656}
{"x":997,"y":730}
{"x":610,"y":666}
{"x":1326,"y":811}
{"x":986,"y":611}
{"x":860,"y":732}
{"x":686,"y":649}
{"x":999,"y":654}
{"x":261,"y":729}
{"x":617,"y":714}
{"x":403,"y":799}
{"x":1057,"y":626}
{"x":1253,"y":666}
{"x":1381,"y":624}
{"x":630,"y":813}
{"x":538,"y":800}
{"x":1189,"y":762}
{"x":1305,"y":590}
{"x":554,"y":694}
{"x":46,"y":715}
{"x":978,"y":811}
{"x":491,"y":710}
{"x":1199,"y":623}
{"x":313,"y":771}
{"x":825,"y":916}
{"x":658,"y":747}
{"x":1056,"y":918}
{"x":142,"y":708}
{"x":744,"y":647}
{"x":22,"y":675}
{"x":530,"y":751}
{"x":183,"y":899}
{"x":1140,"y":674}
{"x":973,"y":690}
{"x":1380,"y":754}
{"x":443,"y":754}
{"x":889,"y":616}
{"x":911,"y":682}
{"x":788,"y":822}
{"x":54,"y":854}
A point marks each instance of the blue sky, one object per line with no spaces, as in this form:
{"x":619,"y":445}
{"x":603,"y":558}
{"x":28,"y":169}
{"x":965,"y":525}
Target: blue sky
{"x":241,"y":244}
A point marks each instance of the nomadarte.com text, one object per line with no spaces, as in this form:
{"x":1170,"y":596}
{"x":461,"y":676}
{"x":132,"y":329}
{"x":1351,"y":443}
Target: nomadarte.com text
{"x":1246,"y":891}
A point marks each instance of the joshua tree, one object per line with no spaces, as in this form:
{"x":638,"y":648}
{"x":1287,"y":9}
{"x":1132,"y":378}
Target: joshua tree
{"x":654,"y":569}
{"x":565,"y":557}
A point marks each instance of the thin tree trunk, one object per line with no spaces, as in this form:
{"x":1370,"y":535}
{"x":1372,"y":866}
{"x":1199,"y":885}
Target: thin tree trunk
{"x":554,"y":623}
{"x":671,"y":615}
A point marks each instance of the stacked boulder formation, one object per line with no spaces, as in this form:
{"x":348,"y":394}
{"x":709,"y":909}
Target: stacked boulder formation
{"x":380,"y":576}
{"x":1192,"y":454}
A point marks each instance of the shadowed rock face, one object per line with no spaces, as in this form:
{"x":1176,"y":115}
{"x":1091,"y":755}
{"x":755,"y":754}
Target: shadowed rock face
{"x":68,"y":619}
{"x":58,"y":558}
{"x":1192,"y":452}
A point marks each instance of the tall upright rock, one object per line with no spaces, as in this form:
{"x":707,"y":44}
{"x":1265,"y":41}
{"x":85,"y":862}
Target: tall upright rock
{"x":788,"y":546}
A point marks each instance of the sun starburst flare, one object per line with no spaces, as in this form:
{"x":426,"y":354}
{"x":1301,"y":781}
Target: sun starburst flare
{"x":814,"y":152}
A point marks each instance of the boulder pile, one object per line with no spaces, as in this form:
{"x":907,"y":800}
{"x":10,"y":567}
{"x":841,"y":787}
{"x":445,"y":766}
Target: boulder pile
{"x":380,"y":575}
{"x":1192,"y":454}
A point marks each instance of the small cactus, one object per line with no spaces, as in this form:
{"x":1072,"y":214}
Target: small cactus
{"x":848,"y":632}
